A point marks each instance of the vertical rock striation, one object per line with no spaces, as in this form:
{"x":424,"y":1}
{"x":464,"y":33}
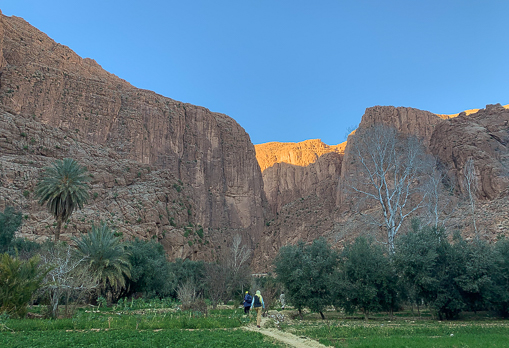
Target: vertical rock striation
{"x":208,"y":152}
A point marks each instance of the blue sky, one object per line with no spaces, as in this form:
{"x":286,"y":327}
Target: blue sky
{"x":292,"y":70}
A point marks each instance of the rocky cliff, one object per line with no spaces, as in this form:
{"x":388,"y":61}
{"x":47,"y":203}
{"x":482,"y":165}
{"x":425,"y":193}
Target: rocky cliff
{"x":295,"y":170}
{"x":143,"y":142}
{"x":307,"y":211}
{"x":300,"y":181}
{"x":299,"y":154}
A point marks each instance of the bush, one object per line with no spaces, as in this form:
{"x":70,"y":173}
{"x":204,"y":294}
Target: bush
{"x":10,"y":220}
{"x":18,"y":282}
{"x":150,"y":270}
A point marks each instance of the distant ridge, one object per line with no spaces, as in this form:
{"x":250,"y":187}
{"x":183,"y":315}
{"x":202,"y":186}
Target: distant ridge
{"x":300,"y":154}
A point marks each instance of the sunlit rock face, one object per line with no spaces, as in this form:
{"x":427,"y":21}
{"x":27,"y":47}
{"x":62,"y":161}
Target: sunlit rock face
{"x":295,"y":170}
{"x":299,"y":154}
{"x":206,"y":154}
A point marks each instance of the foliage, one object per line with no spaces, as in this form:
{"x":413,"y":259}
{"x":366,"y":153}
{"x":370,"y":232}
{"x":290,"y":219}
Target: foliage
{"x":475,"y":282}
{"x":151,"y":273}
{"x":106,"y":256}
{"x":416,"y":261}
{"x":216,"y":280}
{"x":18,"y":282}
{"x":365,"y":280}
{"x":10,"y":220}
{"x":500,"y":300}
{"x":189,"y":271}
{"x":24,"y":248}
{"x":63,"y":188}
{"x":306,"y":272}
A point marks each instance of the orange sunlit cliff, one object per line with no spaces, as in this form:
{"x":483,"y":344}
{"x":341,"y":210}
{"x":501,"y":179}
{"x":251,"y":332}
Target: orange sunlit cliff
{"x":300,"y":154}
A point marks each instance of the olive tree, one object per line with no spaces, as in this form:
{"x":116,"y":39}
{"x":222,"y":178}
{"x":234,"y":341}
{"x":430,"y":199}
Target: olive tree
{"x":306,"y":271}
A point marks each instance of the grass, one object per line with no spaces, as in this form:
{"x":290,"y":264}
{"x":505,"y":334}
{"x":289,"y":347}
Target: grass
{"x":404,"y":333}
{"x":130,"y":338}
{"x":147,"y":327}
{"x":159,"y":324}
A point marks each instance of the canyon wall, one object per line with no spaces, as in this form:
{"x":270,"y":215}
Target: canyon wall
{"x":208,"y":153}
{"x":304,"y":212}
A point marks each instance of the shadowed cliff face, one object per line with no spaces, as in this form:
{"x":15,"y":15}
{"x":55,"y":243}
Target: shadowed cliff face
{"x":300,"y":181}
{"x":208,"y":152}
{"x":482,"y":136}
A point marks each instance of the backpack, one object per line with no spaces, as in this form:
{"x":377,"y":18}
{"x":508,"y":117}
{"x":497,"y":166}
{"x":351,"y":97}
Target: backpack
{"x":248,"y":299}
{"x":257,"y":302}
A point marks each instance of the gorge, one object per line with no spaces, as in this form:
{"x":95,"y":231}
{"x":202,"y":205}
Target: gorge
{"x":191,"y":178}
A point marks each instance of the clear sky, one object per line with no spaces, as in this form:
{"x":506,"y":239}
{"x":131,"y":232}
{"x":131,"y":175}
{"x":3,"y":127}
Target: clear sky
{"x":292,"y":70}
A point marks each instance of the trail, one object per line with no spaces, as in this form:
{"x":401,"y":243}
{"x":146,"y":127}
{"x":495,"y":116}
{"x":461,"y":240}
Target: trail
{"x":285,"y":337}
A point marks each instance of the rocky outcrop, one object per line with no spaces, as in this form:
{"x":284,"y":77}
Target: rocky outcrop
{"x":304,"y":211}
{"x":295,"y":170}
{"x":300,"y":182}
{"x":209,"y":154}
{"x":285,"y":183}
{"x":299,"y":154}
{"x":482,"y":136}
{"x":406,"y":120}
{"x":303,"y":200}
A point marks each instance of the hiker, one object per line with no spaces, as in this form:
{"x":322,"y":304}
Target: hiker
{"x":259,"y":306}
{"x":282,"y":300}
{"x":247,"y":302}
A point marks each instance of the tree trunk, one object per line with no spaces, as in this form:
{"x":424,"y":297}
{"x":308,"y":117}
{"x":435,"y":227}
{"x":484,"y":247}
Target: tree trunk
{"x":323,"y":316}
{"x":57,"y":230}
{"x":300,"y":313}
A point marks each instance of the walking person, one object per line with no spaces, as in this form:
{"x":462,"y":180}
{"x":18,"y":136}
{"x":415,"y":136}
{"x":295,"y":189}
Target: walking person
{"x":248,"y":299}
{"x":259,"y":306}
{"x":282,"y":300}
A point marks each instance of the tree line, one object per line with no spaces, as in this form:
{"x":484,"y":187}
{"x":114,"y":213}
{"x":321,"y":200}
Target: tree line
{"x":446,"y":274}
{"x":99,"y":265}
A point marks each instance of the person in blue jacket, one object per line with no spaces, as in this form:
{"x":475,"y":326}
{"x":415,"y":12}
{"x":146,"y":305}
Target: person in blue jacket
{"x":247,"y":302}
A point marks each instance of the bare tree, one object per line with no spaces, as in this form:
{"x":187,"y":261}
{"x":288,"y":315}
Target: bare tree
{"x":439,"y":198}
{"x":239,"y":257}
{"x":237,"y":266}
{"x":389,"y":169}
{"x":216,"y":281}
{"x":470,"y":184}
{"x":69,"y":278}
{"x":186,"y":293}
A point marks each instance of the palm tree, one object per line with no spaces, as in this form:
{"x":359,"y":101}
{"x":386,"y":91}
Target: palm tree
{"x":63,"y":187}
{"x":107,"y":257}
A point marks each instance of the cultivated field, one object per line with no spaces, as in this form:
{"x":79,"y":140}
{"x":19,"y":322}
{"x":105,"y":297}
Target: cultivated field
{"x":153,"y":324}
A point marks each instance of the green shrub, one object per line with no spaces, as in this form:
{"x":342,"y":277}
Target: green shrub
{"x":10,"y":220}
{"x":18,"y":281}
{"x":150,"y":270}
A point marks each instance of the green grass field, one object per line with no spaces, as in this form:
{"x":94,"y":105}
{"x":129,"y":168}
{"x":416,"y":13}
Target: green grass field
{"x":123,"y":338}
{"x":405,"y":333}
{"x":167,"y":327}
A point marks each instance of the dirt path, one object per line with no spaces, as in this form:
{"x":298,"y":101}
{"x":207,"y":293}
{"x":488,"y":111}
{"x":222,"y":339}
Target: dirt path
{"x":285,"y":337}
